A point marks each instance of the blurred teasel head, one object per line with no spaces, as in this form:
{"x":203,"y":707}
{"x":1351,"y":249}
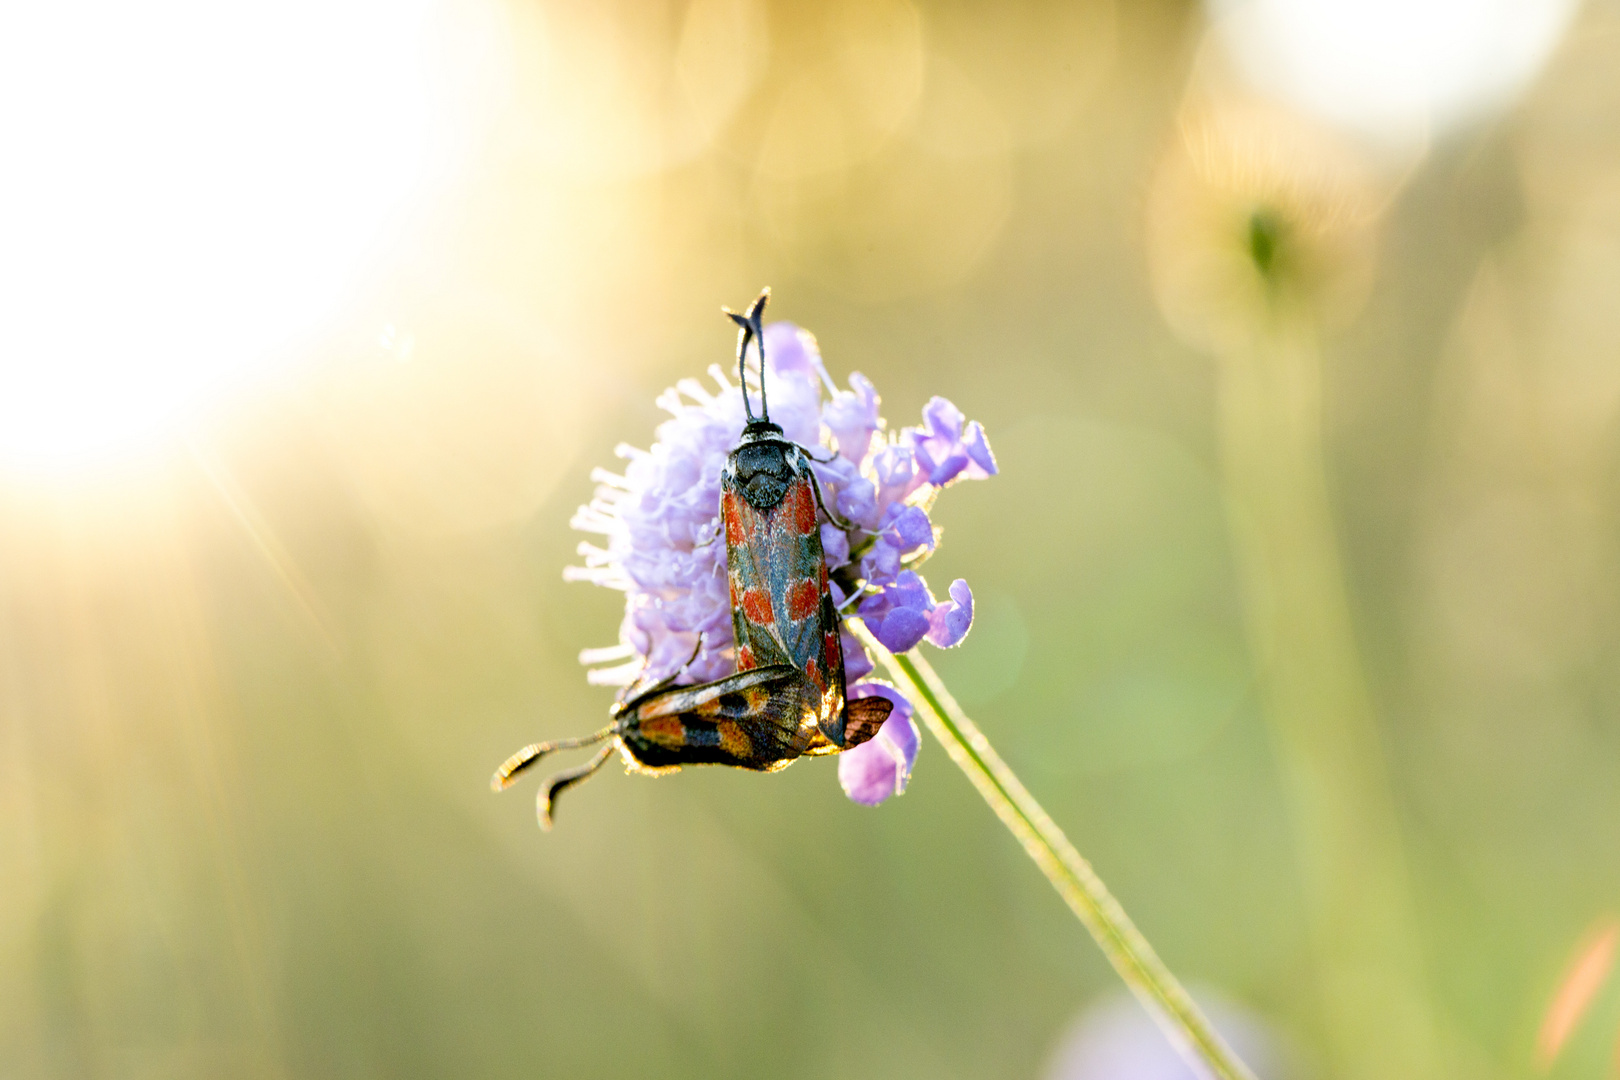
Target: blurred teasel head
{"x":1258,"y":219}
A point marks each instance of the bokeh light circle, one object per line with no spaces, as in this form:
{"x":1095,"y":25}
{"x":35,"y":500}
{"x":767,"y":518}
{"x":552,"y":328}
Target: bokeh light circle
{"x":1393,"y":68}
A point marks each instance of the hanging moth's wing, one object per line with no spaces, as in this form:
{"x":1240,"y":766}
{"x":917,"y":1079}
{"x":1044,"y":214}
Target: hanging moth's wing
{"x":761,"y":719}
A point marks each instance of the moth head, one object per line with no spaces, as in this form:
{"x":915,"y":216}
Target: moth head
{"x":762,"y":466}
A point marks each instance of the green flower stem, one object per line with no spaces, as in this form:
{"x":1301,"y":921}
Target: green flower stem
{"x":1376,"y":1011}
{"x":1069,"y":873}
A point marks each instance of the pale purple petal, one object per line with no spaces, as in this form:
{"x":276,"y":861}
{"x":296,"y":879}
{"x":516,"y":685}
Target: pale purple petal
{"x":908,"y":527}
{"x":898,"y":473}
{"x":901,"y":629}
{"x":910,"y":590}
{"x":789,"y":349}
{"x":852,"y":417}
{"x":868,"y":773}
{"x":945,"y":450}
{"x":949,"y":468}
{"x":834,"y":546}
{"x":950,"y":621}
{"x":881,"y":563}
{"x":943,"y":418}
{"x":857,"y":664}
{"x":978,"y":448}
{"x":881,"y":767}
{"x":857,"y":503}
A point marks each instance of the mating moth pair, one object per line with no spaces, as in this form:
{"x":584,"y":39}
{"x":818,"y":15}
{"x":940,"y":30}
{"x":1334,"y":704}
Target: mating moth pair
{"x":787,"y":699}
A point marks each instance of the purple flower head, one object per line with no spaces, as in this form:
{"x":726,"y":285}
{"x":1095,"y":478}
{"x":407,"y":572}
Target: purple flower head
{"x":946,"y":450}
{"x":881,"y":767}
{"x":658,"y":523}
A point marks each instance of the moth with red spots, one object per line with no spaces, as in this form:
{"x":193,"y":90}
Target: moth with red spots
{"x":787,"y":699}
{"x":782,"y":611}
{"x":763,"y":720}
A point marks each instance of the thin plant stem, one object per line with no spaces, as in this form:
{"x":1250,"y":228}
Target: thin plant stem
{"x":1378,"y":1012}
{"x":1070,"y":874}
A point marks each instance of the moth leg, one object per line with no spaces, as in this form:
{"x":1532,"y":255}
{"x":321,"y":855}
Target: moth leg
{"x":634,"y":690}
{"x":815,"y":486}
{"x":505,"y":775}
{"x":547,"y":799}
{"x":851,"y":600}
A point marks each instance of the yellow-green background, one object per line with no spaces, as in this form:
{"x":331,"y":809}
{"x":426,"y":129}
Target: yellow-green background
{"x":252,"y":686}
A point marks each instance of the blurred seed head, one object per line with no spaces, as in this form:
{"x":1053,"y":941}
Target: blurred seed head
{"x":1255,"y":216}
{"x":1115,"y":1039}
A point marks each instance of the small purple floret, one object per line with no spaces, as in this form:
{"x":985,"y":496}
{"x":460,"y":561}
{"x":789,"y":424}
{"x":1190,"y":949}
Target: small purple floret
{"x":852,"y":417}
{"x":949,"y":622}
{"x":947,"y":451}
{"x":904,"y":612}
{"x":881,"y":767}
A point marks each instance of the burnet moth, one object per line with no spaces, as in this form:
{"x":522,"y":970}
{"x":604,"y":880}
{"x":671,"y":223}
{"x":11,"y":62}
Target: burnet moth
{"x":782,"y":611}
{"x":762,"y":719}
{"x":787,"y":699}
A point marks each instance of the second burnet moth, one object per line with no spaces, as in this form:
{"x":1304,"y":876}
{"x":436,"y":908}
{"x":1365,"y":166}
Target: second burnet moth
{"x":763,"y":720}
{"x":788,"y":698}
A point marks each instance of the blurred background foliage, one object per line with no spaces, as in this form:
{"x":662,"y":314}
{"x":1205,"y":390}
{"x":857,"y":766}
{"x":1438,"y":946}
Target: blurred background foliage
{"x":254,"y":675}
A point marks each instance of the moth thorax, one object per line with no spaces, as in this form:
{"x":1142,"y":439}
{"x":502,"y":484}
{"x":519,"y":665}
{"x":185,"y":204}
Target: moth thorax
{"x":763,"y":472}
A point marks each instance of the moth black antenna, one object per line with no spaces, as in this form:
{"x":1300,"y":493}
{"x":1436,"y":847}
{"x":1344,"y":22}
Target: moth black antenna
{"x":751,"y":329}
{"x":505,"y":776}
{"x":547,"y":799}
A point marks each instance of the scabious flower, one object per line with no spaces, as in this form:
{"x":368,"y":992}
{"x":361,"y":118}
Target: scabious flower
{"x":663,"y":545}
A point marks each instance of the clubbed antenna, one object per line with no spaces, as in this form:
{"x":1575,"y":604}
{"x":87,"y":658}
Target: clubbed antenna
{"x":506,"y":775}
{"x":560,"y":783}
{"x":750,"y":329}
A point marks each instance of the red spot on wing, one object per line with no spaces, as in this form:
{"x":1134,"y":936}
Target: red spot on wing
{"x":756,"y":605}
{"x":728,"y":510}
{"x":746,"y":660}
{"x":801,"y":508}
{"x":803,"y":599}
{"x":813,"y":670}
{"x":833,"y":649}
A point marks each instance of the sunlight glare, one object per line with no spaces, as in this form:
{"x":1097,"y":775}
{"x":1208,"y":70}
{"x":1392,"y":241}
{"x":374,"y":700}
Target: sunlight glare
{"x":1393,"y":68}
{"x":189,"y":187}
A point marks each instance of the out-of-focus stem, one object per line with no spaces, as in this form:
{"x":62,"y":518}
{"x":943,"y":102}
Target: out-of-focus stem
{"x":1069,"y":873}
{"x":1375,"y":1009}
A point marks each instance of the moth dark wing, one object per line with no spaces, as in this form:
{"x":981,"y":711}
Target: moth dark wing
{"x":777,"y":572}
{"x":762,"y":719}
{"x":863,"y":717}
{"x":827,"y":672}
